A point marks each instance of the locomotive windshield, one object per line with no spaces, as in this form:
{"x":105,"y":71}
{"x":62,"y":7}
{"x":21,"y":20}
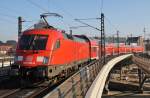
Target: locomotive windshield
{"x":33,"y":42}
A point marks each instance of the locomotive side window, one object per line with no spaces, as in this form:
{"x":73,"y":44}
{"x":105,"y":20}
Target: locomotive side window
{"x":57,"y":44}
{"x":65,"y":35}
{"x":79,"y":39}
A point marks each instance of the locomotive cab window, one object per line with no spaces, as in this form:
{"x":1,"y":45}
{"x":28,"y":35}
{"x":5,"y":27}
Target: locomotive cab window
{"x":33,"y":42}
{"x":57,"y":44}
{"x":40,"y":42}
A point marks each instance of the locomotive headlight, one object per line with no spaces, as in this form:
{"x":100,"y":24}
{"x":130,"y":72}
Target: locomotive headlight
{"x":42,"y":59}
{"x":45,"y":60}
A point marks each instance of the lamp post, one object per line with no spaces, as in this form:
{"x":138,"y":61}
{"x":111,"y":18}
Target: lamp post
{"x":103,"y":52}
{"x":20,"y":21}
{"x":113,"y":38}
{"x":19,"y":26}
{"x":131,"y":43}
{"x":118,"y":41}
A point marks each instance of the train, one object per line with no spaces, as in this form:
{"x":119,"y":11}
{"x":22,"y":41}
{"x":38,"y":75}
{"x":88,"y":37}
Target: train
{"x":50,"y":53}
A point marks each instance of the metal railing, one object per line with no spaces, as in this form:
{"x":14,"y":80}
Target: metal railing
{"x":142,"y":57}
{"x":142,"y":62}
{"x":78,"y":84}
{"x":5,"y":63}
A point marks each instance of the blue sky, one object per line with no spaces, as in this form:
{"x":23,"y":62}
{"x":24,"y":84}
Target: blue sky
{"x":127,"y":16}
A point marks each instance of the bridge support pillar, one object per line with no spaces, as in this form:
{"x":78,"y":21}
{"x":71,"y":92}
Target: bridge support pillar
{"x":106,"y":88}
{"x":142,"y":79}
{"x":120,"y":72}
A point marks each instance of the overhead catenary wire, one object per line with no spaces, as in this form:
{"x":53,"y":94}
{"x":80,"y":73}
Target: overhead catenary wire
{"x":10,"y":10}
{"x":9,"y":16}
{"x":7,"y":21}
{"x":78,"y":20}
{"x":63,"y":10}
{"x":42,"y":8}
{"x":75,"y":27}
{"x":109,"y":21}
{"x":14,"y":13}
{"x":90,"y":18}
{"x":60,"y":8}
{"x":113,"y":26}
{"x":48,"y":6}
{"x":69,"y":14}
{"x":37,"y":5}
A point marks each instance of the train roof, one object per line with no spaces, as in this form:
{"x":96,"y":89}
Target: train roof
{"x":41,"y":31}
{"x":45,"y":31}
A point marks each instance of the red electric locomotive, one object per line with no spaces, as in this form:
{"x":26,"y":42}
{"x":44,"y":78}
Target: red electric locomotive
{"x":49,"y":52}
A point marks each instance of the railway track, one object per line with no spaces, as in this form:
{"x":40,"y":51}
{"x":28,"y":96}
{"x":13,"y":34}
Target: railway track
{"x":6,"y":93}
{"x":143,"y":63}
{"x":21,"y":93}
{"x":8,"y":86}
{"x":37,"y":91}
{"x":25,"y":92}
